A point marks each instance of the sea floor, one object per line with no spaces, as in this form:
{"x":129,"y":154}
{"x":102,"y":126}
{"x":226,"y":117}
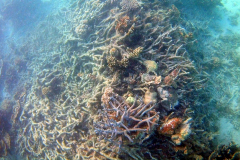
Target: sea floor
{"x":228,"y":25}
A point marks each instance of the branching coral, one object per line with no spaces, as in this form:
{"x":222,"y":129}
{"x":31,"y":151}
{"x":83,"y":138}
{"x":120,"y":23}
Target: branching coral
{"x":119,"y":120}
{"x":109,"y":83}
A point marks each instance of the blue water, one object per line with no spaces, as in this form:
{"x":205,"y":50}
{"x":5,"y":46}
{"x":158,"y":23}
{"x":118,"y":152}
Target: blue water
{"x":117,"y":79}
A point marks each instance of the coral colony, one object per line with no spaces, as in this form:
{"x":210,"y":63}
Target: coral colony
{"x":114,"y":83}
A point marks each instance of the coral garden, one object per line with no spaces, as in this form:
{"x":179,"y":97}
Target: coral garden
{"x":114,"y":81}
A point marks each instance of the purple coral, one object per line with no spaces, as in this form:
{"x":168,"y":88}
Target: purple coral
{"x":119,"y":121}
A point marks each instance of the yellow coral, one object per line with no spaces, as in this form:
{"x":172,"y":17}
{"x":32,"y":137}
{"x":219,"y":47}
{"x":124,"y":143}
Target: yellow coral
{"x":151,"y":66}
{"x":136,"y":52}
{"x":130,"y":100}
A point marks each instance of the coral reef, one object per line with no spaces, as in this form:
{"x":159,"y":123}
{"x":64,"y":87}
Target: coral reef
{"x":117,"y":84}
{"x":121,"y":121}
{"x":230,"y":151}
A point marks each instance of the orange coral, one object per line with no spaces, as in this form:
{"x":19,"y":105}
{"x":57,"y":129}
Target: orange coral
{"x":122,"y":24}
{"x":170,"y":126}
{"x":169,"y":80}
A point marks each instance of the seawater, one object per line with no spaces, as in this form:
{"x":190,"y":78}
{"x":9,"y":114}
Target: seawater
{"x":215,"y":53}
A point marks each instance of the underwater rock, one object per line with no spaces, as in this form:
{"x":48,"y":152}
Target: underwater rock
{"x":169,"y":97}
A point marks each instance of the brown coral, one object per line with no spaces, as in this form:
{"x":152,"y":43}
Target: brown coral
{"x":170,"y":126}
{"x":169,"y":80}
{"x":114,"y":63}
{"x":183,"y":133}
{"x":136,"y":52}
{"x":122,"y":24}
{"x":46,"y":90}
{"x":114,"y":52}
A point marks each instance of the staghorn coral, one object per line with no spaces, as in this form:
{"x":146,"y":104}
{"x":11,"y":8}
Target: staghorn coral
{"x":94,"y":113}
{"x":231,"y":151}
{"x":5,"y":128}
{"x":124,"y":122}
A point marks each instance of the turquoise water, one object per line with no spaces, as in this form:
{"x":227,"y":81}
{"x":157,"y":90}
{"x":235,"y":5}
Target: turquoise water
{"x":118,"y":79}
